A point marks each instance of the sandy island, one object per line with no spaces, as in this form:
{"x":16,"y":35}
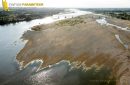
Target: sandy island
{"x":82,"y":40}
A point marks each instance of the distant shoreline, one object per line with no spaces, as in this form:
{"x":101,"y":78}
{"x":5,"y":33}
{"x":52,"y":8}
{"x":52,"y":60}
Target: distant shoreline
{"x":27,"y":14}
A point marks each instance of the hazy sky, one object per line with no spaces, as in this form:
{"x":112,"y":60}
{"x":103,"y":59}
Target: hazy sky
{"x":80,"y":3}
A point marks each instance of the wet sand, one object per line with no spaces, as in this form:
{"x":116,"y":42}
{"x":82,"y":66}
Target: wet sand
{"x":85,"y":42}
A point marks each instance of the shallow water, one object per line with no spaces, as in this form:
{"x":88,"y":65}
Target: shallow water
{"x":118,"y":38}
{"x":103,"y":21}
{"x":61,"y":73}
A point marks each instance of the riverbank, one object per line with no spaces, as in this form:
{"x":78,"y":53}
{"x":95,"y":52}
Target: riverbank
{"x":16,"y":15}
{"x":81,"y":40}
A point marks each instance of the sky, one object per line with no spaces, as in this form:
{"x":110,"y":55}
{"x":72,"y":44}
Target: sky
{"x":79,"y":3}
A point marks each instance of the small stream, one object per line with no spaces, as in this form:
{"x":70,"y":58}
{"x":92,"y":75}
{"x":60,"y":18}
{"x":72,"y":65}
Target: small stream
{"x":103,"y":21}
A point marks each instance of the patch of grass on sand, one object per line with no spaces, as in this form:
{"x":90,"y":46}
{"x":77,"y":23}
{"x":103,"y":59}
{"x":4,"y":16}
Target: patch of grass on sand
{"x":36,"y":28}
{"x":70,"y":22}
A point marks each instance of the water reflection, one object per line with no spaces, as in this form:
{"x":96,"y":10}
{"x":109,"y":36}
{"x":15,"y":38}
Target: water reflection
{"x":61,"y":73}
{"x":19,"y":78}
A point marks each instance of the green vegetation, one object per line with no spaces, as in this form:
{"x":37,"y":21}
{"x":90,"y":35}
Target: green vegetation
{"x":120,"y":15}
{"x":25,"y":14}
{"x":71,"y":22}
{"x":117,"y":13}
{"x":36,"y":28}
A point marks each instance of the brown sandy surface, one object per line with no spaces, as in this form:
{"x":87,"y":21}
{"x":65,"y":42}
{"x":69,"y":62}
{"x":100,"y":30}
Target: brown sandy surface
{"x":85,"y":41}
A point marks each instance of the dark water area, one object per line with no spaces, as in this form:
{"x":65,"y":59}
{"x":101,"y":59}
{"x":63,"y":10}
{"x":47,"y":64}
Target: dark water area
{"x":61,"y":73}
